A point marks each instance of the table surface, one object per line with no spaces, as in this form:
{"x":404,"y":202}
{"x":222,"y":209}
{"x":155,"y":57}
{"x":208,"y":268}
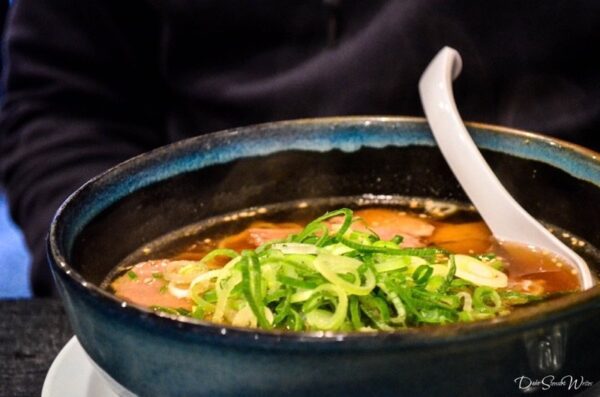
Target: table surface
{"x":32,"y":332}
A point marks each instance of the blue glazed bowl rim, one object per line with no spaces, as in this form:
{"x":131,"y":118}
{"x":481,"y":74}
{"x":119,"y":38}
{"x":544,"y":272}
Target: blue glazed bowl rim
{"x":554,"y":311}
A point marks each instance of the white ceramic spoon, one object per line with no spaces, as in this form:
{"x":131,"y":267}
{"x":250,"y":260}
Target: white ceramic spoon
{"x":507,"y":220}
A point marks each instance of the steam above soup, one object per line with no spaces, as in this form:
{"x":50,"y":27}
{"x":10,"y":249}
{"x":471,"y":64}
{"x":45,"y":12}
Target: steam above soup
{"x":373,"y":269}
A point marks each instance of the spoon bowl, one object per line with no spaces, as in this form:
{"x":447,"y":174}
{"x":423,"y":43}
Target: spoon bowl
{"x":507,"y":220}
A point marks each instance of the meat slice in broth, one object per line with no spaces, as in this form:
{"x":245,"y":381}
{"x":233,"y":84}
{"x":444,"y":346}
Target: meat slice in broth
{"x":144,"y":285}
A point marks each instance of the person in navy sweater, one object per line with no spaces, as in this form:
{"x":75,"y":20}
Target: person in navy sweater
{"x":91,"y":83}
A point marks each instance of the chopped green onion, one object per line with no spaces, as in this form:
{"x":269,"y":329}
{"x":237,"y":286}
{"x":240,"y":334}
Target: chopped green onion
{"x":340,"y":279}
{"x":486,"y":298}
{"x":449,"y":276}
{"x":422,"y":274}
{"x":251,"y":281}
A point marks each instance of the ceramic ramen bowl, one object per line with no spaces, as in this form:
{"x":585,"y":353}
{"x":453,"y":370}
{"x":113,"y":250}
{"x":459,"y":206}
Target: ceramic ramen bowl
{"x":167,"y":189}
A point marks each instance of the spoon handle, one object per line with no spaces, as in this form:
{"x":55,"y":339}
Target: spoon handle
{"x":504,"y":216}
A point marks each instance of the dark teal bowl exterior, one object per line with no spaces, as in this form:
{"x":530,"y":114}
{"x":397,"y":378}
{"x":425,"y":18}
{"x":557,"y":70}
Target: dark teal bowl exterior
{"x":154,"y":355}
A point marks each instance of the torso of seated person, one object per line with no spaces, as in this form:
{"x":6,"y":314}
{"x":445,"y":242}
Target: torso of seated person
{"x":162,"y":71}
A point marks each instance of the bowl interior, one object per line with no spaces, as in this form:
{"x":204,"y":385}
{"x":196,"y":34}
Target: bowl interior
{"x":153,"y":195}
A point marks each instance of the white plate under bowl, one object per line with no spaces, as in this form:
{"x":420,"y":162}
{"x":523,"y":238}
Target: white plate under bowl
{"x":73,"y":373}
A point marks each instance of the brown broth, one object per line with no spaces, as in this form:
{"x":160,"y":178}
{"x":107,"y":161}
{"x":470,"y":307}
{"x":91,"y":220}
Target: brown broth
{"x":460,"y":231}
{"x":529,"y":263}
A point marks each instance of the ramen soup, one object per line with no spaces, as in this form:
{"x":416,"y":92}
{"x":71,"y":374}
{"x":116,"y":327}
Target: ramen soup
{"x":377,"y":268}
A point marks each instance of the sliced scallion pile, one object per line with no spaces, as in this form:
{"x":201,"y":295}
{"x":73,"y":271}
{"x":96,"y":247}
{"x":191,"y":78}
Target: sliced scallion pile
{"x":340,"y":279}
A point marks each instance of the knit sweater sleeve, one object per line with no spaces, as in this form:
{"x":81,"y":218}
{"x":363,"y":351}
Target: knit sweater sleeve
{"x":82,"y":93}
